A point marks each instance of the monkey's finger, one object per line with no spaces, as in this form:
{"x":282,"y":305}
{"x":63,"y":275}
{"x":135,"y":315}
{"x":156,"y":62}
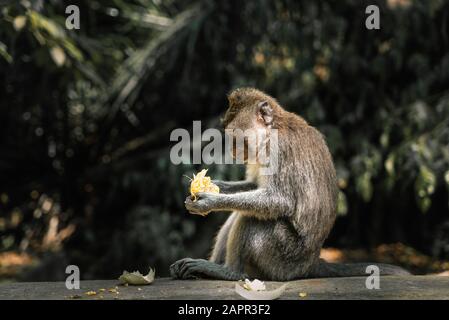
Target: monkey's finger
{"x":189,"y":268}
{"x":203,"y":214}
{"x":183,"y":264}
{"x":195,"y":209}
{"x":183,"y":268}
{"x":190,"y":277}
{"x":198,"y":268}
{"x":175,"y":267}
{"x":188,"y":272}
{"x":202,"y":195}
{"x":183,"y":261}
{"x":173,"y":272}
{"x":190,"y":204}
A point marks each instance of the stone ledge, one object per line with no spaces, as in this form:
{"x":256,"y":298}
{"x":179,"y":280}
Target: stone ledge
{"x":391,"y":287}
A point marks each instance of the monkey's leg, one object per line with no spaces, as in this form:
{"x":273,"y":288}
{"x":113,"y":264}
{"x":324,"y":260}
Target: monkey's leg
{"x":219,"y":250}
{"x":235,"y":186}
{"x":189,"y":268}
{"x":198,"y":268}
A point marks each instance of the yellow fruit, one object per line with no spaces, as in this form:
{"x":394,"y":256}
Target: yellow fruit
{"x":201,"y":183}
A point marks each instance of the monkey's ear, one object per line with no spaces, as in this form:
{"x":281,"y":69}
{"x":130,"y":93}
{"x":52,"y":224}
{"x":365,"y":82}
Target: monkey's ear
{"x":266,"y":112}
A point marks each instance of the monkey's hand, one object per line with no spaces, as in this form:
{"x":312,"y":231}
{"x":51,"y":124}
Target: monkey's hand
{"x":203,"y":204}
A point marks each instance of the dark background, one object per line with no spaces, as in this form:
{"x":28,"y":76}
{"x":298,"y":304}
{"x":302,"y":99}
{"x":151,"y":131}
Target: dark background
{"x":86,"y":116}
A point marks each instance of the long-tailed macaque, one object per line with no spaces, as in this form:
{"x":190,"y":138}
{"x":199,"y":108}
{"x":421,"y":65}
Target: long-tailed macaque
{"x":280,"y":221}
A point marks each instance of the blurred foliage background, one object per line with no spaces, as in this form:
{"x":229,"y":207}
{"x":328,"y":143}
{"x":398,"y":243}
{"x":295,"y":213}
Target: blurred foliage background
{"x":86,"y":116}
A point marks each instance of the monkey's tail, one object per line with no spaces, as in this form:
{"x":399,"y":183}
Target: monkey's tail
{"x":325,"y":269}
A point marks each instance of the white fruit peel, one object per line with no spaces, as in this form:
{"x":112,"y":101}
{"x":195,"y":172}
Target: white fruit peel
{"x":136,"y":278}
{"x":260,"y":295}
{"x":255,"y":285}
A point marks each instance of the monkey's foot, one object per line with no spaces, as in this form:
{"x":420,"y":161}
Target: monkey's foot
{"x":189,"y":268}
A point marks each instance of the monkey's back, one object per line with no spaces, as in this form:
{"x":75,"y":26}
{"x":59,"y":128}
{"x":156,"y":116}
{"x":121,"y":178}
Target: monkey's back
{"x":307,"y":178}
{"x":287,"y":247}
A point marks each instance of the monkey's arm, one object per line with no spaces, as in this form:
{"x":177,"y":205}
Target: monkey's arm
{"x":257,"y":203}
{"x":235,"y":186}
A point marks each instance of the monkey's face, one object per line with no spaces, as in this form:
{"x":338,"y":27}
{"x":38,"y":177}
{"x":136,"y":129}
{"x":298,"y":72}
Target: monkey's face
{"x":248,"y":129}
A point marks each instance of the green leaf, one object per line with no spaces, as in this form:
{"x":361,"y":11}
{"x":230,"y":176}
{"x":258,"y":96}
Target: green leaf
{"x":425,"y":187}
{"x":72,"y":50}
{"x":40,"y":22}
{"x":58,"y":56}
{"x":389,"y":164}
{"x":4,"y":53}
{"x":364,"y":186}
{"x":342,"y":204}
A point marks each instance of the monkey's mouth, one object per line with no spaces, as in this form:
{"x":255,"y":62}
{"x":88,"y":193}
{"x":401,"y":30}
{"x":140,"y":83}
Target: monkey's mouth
{"x":251,"y":153}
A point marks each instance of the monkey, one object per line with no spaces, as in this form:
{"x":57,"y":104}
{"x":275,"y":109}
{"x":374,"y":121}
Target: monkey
{"x":279,"y":222}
